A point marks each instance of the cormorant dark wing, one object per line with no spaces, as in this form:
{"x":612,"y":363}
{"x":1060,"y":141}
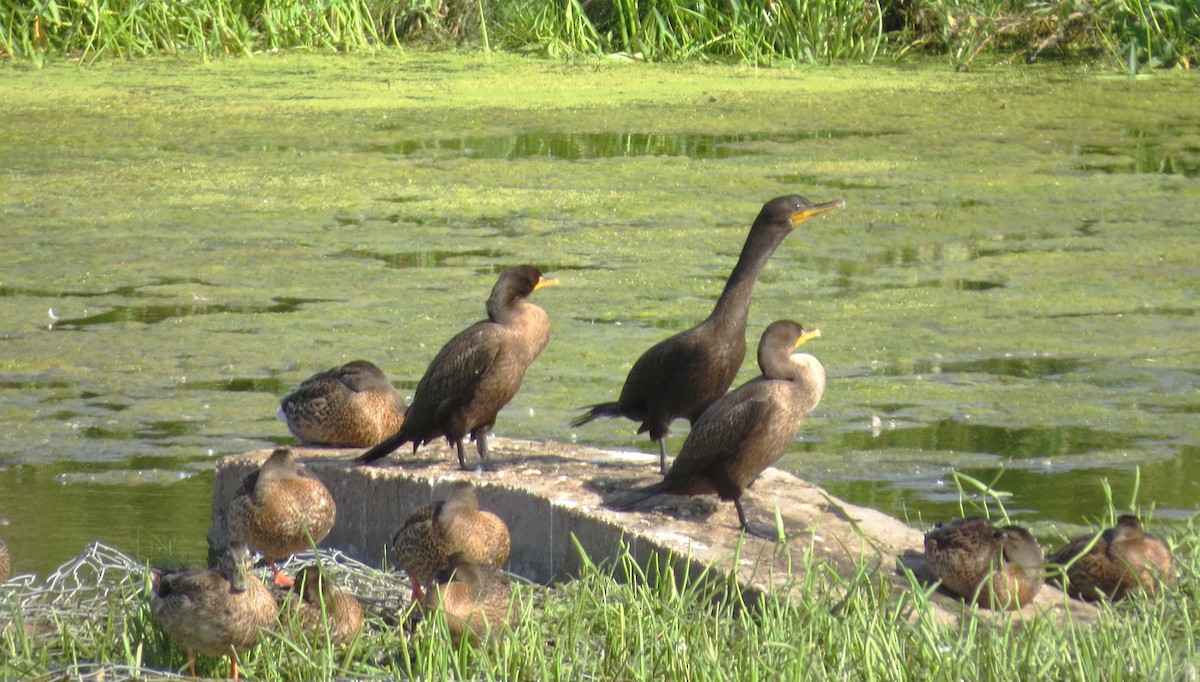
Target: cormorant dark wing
{"x":722,"y":430}
{"x":454,"y":374}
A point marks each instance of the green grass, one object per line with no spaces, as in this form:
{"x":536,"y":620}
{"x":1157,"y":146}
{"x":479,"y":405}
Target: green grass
{"x":619,"y":620}
{"x":1133,"y":33}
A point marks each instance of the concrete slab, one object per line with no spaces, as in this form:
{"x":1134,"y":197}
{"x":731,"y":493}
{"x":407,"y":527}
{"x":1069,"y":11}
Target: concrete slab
{"x":549,"y":492}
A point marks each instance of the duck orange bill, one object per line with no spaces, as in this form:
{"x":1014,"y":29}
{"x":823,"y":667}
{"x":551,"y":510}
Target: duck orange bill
{"x":807,"y":336}
{"x":815,"y":210}
{"x":543,"y":282}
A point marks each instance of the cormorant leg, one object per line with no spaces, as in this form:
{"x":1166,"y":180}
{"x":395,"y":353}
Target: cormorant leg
{"x":662,"y":455}
{"x":763,"y":532}
{"x":462,"y":459}
{"x":481,"y":446}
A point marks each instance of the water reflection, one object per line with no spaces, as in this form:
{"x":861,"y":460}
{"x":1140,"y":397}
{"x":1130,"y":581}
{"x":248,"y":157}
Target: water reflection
{"x":574,"y":146}
{"x":957,"y":436}
{"x":270,"y":385}
{"x":1073,"y":494}
{"x":154,"y":430}
{"x":126,"y":291}
{"x":153,"y":314}
{"x":425,"y":259}
{"x":1144,"y":153}
{"x":156,"y":513}
{"x":1035,"y":367}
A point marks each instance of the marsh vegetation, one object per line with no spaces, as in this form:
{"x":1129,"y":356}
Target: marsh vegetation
{"x":1129,"y":33}
{"x":619,"y":620}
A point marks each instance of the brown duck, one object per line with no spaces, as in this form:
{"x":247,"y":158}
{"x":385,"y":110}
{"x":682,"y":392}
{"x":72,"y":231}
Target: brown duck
{"x":684,"y":374}
{"x":215,"y":613}
{"x":1123,"y":559}
{"x":475,"y":599}
{"x":998,"y":568}
{"x":352,"y":406}
{"x":453,"y":526}
{"x":319,"y":607}
{"x":279,"y":511}
{"x":748,"y":429}
{"x":477,"y":372}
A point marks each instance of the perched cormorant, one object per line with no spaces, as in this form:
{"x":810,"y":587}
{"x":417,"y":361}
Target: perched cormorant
{"x":997,"y":568}
{"x":682,"y":375}
{"x":478,"y":371}
{"x":748,"y":429}
{"x":352,"y":406}
{"x":1122,"y":560}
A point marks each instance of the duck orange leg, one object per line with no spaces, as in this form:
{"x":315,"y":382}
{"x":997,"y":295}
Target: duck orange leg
{"x":281,"y":580}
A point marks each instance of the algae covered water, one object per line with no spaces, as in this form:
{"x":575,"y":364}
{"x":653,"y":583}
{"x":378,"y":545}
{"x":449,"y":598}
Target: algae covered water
{"x":1010,"y":292}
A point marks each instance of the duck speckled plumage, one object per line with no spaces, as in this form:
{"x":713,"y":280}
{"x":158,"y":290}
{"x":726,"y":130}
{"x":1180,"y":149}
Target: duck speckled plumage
{"x":475,"y":599}
{"x":455,"y":525}
{"x":998,"y":568}
{"x":317,"y":605}
{"x":1124,"y":559}
{"x":216,"y":613}
{"x":279,"y":511}
{"x":352,"y":406}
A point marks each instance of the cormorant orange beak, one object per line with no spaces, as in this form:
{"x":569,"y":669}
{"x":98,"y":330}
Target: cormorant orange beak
{"x":543,"y":282}
{"x":815,"y":210}
{"x":807,"y":336}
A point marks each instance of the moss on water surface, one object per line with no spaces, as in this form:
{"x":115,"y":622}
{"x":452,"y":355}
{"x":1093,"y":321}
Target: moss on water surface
{"x":1015,"y":267}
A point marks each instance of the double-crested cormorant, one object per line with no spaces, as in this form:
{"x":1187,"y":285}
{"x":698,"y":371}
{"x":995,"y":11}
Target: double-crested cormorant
{"x":682,"y":375}
{"x":748,"y":429}
{"x":317,"y":606}
{"x":216,"y":613}
{"x":352,"y":406}
{"x":998,"y":568}
{"x":278,"y":511}
{"x":478,"y":371}
{"x":454,"y":526}
{"x":475,"y":599}
{"x":1122,"y":560}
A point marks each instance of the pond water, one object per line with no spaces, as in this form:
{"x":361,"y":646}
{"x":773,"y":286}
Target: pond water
{"x":1010,"y":292}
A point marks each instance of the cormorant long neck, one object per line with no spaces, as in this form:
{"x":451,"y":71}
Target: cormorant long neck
{"x":802,"y":369}
{"x":733,"y":306}
{"x":502,"y":304}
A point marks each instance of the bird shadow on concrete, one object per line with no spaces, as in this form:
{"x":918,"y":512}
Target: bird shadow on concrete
{"x":679,"y":507}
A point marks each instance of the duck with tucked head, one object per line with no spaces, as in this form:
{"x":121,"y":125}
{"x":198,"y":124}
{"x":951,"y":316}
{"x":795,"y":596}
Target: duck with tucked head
{"x":475,"y":599}
{"x":1122,"y":560}
{"x":454,"y":526}
{"x":682,"y":375}
{"x":996,"y":567}
{"x":477,"y":372}
{"x":748,"y":429}
{"x":215,"y":613}
{"x":352,"y":406}
{"x":319,"y":607}
{"x":279,"y":510}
